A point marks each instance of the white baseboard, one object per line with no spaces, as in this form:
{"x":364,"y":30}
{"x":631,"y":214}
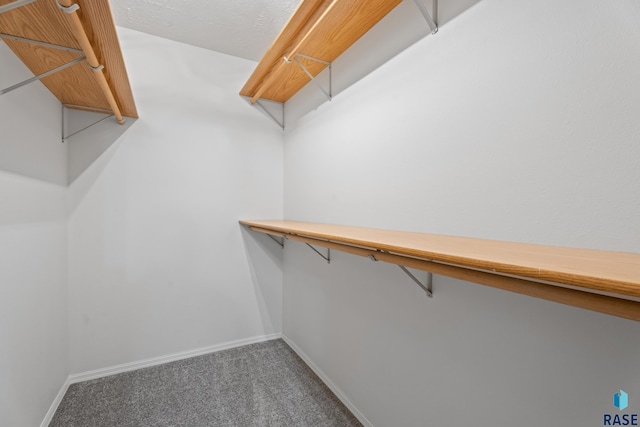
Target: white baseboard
{"x":54,"y":406}
{"x":126,"y":367}
{"x":339,"y":394}
{"x":132,"y":366}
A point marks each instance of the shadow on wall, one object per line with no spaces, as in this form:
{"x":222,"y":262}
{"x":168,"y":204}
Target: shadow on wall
{"x":38,"y":137}
{"x":89,"y":135}
{"x":265,"y":264}
{"x":48,"y":156}
{"x":400,"y":29}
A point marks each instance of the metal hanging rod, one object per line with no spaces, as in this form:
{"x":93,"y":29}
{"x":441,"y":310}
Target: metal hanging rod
{"x":428,"y":287}
{"x":427,"y":16}
{"x":39,"y":43}
{"x":15,"y":4}
{"x":44,"y":44}
{"x":326,"y":258}
{"x":43,"y":75}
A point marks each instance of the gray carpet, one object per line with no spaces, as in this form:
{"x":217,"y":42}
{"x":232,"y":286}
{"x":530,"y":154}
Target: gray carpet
{"x":263,"y":384}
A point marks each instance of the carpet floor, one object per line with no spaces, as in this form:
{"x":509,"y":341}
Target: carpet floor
{"x":264,"y":384}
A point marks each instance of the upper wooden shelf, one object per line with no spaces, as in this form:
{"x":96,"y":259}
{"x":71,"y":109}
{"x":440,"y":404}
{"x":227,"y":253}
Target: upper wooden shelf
{"x":321,"y":29}
{"x":520,"y":267}
{"x":77,"y":85}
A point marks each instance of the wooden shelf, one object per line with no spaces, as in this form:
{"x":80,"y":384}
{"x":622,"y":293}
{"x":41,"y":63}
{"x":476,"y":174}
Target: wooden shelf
{"x":321,"y":29}
{"x":603,"y":281}
{"x":76,"y":85}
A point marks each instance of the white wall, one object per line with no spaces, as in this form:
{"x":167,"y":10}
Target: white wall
{"x":33,"y":249}
{"x":31,"y":138}
{"x":159,"y":264}
{"x":517,"y":121}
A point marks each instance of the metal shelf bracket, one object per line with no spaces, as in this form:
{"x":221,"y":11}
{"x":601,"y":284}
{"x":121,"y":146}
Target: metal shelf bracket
{"x":258,"y":104}
{"x":108,"y":113}
{"x":428,"y":287}
{"x":427,"y":16}
{"x":329,"y":93}
{"x":41,"y":76}
{"x":326,"y":258}
{"x":47,"y":73}
{"x":281,"y":243}
{"x":15,"y":4}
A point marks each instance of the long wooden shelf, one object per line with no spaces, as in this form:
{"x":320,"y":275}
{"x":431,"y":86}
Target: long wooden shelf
{"x":604,"y":281}
{"x":77,"y":85}
{"x":321,"y":29}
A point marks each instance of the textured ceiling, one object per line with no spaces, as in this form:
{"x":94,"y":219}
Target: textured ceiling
{"x":244,"y":28}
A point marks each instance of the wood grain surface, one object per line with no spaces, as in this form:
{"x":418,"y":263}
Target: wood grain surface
{"x":613,"y":272}
{"x":322,"y":29}
{"x":44,"y":21}
{"x":577,"y":276}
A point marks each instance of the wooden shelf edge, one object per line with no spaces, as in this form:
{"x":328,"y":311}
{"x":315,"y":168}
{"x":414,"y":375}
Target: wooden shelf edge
{"x":44,"y":21}
{"x":322,"y":29}
{"x":276,"y":51}
{"x":97,"y":16}
{"x":617,"y":304}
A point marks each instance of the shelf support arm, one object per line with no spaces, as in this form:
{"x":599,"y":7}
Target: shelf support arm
{"x":14,"y":5}
{"x":427,"y":16}
{"x":277,"y":241}
{"x":328,"y":94}
{"x":39,"y":43}
{"x":428,"y":288}
{"x":41,"y":76}
{"x":268,"y":113}
{"x":47,"y":73}
{"x":108,"y":113}
{"x":326,"y":258}
{"x":271,"y":234}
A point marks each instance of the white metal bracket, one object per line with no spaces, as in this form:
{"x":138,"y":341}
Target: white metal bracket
{"x":65,"y":137}
{"x":328,"y":93}
{"x":281,"y":243}
{"x":428,"y":287}
{"x":41,"y":76}
{"x":39,"y":43}
{"x":427,"y":16}
{"x":268,"y":113}
{"x":15,"y":4}
{"x":258,"y":104}
{"x":326,"y":258}
{"x":47,"y":73}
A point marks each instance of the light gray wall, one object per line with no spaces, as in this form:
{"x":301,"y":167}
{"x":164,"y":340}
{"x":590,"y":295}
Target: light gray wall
{"x":33,"y":249}
{"x":517,"y":121}
{"x":159,"y":264}
{"x":31,"y":138}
